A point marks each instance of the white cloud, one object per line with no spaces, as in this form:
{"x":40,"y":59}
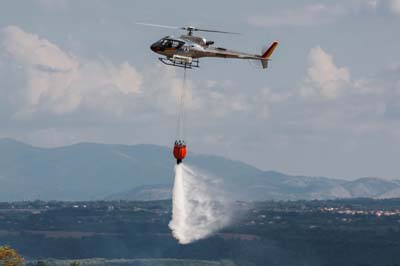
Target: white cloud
{"x":324,"y":77}
{"x":371,"y":3}
{"x":58,"y":82}
{"x":317,"y":14}
{"x":266,"y":99}
{"x":395,"y":6}
{"x":366,"y":5}
{"x":305,"y":16}
{"x":222,"y":100}
{"x":31,"y":50}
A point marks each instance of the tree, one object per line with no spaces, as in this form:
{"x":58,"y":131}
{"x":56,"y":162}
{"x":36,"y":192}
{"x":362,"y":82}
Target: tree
{"x":10,"y":257}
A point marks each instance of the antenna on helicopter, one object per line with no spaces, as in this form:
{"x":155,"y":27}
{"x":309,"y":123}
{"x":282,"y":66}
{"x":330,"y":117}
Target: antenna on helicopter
{"x":189,"y":29}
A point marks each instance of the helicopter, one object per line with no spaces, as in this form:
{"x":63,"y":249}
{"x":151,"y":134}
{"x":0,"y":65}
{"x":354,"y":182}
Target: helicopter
{"x":186,"y":50}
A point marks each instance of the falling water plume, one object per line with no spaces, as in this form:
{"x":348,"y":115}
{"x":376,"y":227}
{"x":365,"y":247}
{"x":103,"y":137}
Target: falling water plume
{"x":200,"y":206}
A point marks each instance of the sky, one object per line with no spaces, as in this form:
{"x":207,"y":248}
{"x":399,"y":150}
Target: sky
{"x":329,"y":104}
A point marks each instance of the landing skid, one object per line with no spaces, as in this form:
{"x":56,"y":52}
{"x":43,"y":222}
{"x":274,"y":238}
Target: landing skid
{"x":180,"y":63}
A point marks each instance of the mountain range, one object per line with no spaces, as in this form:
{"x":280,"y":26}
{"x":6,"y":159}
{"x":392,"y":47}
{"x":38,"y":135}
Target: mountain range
{"x":91,"y":171}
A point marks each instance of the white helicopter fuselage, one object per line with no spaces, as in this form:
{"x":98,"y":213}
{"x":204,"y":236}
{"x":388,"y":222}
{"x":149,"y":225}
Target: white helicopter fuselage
{"x":186,"y":49}
{"x":195,"y":47}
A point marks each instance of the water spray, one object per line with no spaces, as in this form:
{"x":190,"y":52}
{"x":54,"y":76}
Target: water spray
{"x":199,"y":205}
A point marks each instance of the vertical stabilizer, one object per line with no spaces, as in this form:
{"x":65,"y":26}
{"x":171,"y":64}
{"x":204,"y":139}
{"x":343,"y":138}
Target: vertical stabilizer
{"x":265,"y":57}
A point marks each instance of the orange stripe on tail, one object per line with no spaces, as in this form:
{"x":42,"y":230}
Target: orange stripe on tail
{"x":267,"y":54}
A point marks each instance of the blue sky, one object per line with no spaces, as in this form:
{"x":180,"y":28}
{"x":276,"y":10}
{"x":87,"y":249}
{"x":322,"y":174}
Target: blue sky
{"x":73,"y":71}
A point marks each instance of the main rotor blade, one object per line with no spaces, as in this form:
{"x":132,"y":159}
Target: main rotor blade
{"x":188,"y":28}
{"x":157,"y":25}
{"x":217,"y":31}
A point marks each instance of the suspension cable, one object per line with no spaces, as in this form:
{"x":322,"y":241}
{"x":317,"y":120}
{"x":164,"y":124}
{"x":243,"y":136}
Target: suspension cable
{"x":180,"y":130}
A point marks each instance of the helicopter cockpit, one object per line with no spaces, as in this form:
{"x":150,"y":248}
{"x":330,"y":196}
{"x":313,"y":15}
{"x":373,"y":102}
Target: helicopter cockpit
{"x":167,"y":42}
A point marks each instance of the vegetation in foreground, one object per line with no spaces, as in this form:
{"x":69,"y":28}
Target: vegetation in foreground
{"x":10,"y":257}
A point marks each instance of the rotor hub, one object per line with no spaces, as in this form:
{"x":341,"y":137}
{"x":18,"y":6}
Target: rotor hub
{"x":190,"y":30}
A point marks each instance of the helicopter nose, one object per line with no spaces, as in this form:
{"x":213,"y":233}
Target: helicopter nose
{"x":154,"y":47}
